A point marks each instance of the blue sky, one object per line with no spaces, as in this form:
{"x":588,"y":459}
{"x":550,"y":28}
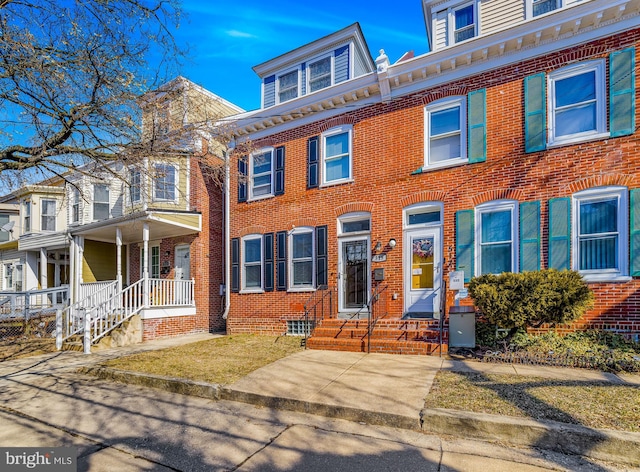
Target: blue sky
{"x":227,"y":38}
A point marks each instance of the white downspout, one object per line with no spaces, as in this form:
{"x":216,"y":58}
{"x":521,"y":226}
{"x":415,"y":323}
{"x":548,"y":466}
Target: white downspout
{"x":227,"y":238}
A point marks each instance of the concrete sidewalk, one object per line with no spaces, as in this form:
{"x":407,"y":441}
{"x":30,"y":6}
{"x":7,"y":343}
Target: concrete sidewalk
{"x":381,"y":389}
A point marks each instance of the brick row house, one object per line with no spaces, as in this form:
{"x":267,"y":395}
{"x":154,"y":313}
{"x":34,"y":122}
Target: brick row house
{"x":149,"y":241}
{"x":511,"y":146}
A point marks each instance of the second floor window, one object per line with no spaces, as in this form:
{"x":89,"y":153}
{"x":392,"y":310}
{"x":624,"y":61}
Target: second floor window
{"x":165,"y":182}
{"x":27,"y":216}
{"x":446,"y":132}
{"x":100,"y":202}
{"x":261,"y":168}
{"x":48,"y":215}
{"x":336,"y":155}
{"x":135,"y":181}
{"x":4,"y":234}
{"x":75,"y":206}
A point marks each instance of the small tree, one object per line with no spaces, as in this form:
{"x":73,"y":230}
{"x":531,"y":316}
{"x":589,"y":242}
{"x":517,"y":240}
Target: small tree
{"x":530,"y":299}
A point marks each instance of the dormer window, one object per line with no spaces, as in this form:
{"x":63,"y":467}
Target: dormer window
{"x":288,"y":86}
{"x":455,"y":24}
{"x":465,"y":25}
{"x":320,"y":74}
{"x":540,"y":7}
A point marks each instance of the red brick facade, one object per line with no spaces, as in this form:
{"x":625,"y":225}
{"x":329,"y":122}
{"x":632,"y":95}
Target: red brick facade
{"x":388,"y":146}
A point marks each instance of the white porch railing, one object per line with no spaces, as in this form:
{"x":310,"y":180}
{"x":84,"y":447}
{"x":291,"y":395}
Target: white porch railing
{"x":86,"y":290}
{"x":106,"y":308}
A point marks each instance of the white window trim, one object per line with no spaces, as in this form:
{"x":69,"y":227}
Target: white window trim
{"x":175,"y":184}
{"x":621,"y":274}
{"x":350,"y":217}
{"x":307,"y":287}
{"x":332,"y":132}
{"x":108,"y":202}
{"x":439,"y":105}
{"x":600,"y":132}
{"x":54,"y":216}
{"x":243,"y":266}
{"x":491,"y":207}
{"x":75,"y":203}
{"x":422,"y":207}
{"x":308,"y":71}
{"x":451,"y":22}
{"x":27,"y":220}
{"x":250,"y":176}
{"x":131,"y":186}
{"x":299,"y":86}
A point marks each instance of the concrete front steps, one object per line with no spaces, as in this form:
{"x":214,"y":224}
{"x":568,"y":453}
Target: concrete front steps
{"x":390,"y":336}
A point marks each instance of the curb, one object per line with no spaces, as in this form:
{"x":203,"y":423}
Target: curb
{"x":606,"y":445}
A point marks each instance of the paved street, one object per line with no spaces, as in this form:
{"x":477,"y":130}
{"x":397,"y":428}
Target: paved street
{"x":120,"y":427}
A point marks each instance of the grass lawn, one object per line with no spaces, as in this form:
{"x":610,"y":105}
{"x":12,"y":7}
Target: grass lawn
{"x":595,"y":404}
{"x":222,"y":360}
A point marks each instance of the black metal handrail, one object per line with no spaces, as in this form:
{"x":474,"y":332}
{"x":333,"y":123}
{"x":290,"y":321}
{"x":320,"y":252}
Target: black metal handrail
{"x":371,"y":319}
{"x":321,"y":299}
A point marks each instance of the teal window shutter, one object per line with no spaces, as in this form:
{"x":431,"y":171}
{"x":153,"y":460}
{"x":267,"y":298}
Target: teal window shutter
{"x":622,"y":92}
{"x":535,"y":113}
{"x":477,"y":125}
{"x":560,"y":233}
{"x":464,"y":242}
{"x":529,"y":236}
{"x":634,"y":227}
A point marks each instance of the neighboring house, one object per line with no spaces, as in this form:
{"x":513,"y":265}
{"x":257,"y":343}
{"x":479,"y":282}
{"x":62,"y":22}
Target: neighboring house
{"x":151,"y":239}
{"x":512,"y":146}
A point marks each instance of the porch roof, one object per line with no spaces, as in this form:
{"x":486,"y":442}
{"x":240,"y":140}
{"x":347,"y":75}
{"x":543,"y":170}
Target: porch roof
{"x":162,"y":224}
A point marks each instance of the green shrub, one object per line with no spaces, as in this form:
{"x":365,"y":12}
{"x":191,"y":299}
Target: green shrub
{"x":530,"y":299}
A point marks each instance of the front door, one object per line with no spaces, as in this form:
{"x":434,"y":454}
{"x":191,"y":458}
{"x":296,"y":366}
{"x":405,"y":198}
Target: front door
{"x":183,"y":263}
{"x":423,"y":272}
{"x":354,"y":274}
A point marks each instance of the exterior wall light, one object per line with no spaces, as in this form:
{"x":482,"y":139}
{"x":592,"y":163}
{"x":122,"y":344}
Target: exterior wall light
{"x":392,"y":243}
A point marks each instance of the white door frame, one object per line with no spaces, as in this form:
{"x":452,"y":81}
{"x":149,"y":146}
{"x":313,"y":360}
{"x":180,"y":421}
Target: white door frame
{"x":409,"y":292}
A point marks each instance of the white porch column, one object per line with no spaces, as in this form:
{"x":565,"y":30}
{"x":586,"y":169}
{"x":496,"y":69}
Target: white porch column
{"x":145,"y":262}
{"x":119,"y":257}
{"x":80,"y":252}
{"x":73,"y":249}
{"x":43,"y":268}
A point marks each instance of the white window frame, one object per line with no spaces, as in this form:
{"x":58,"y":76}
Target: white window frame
{"x":559,"y":4}
{"x":27,"y":216}
{"x":156,"y":180}
{"x":253,"y":176}
{"x":493,"y":207}
{"x":332,"y":71}
{"x":290,"y":257}
{"x":451,"y":22}
{"x":298,"y":71}
{"x":107,"y":202}
{"x":621,"y":273}
{"x":345,"y":129}
{"x":75,"y":205}
{"x":420,"y":208}
{"x":351,"y":218}
{"x":52,"y":217}
{"x":440,"y":105}
{"x":135,"y":186}
{"x":244,"y":264}
{"x":599,"y":67}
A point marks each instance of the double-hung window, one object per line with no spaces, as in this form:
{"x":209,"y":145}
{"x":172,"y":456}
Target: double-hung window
{"x":252,"y":263}
{"x":48,"y":222}
{"x":288,"y":86}
{"x":301,"y":258}
{"x":319,"y":74}
{"x":100,"y":202}
{"x":496,"y":236}
{"x":261,"y":174}
{"x":446,"y":132}
{"x":4,"y":233}
{"x":336,"y":155}
{"x":577,"y":106}
{"x":75,"y":206}
{"x":540,"y":7}
{"x":165,"y":182}
{"x":464,"y":24}
{"x":135,"y":186}
{"x":600,"y":241}
{"x":27,"y":216}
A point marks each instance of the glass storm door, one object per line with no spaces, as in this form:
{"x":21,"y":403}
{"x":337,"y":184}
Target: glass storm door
{"x":354,"y":263}
{"x":423,"y":274}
